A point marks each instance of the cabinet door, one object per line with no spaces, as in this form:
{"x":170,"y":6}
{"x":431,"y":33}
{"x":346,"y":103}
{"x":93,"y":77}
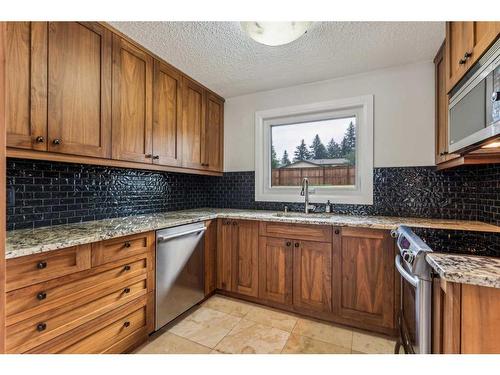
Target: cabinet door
{"x":442,"y":154}
{"x":446,"y":306}
{"x":26,"y":85}
{"x":245,"y":253}
{"x":167,"y":109}
{"x":132,"y":88}
{"x":79,"y":89}
{"x":224,"y":254}
{"x":312,"y":275}
{"x":214,"y":133}
{"x":363,"y":276}
{"x":193,"y":125}
{"x":275,"y":270}
{"x":458,"y":40}
{"x":483,"y":35}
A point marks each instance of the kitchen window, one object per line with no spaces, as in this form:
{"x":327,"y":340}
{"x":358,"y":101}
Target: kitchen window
{"x":330,"y":143}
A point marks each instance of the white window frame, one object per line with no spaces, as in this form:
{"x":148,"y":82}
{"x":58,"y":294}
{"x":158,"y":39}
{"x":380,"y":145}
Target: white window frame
{"x":361,"y":193}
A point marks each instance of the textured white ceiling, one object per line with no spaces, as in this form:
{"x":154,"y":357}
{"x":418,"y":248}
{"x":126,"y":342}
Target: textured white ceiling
{"x":223,"y":58}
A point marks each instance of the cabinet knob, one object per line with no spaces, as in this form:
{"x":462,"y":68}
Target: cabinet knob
{"x":156,"y":157}
{"x":204,"y":164}
{"x":462,"y":61}
{"x":126,"y":244}
{"x":288,"y":244}
{"x":57,"y":141}
{"x":41,"y":296}
{"x":235,"y":223}
{"x":148,"y":156}
{"x":337,"y":231}
{"x":41,"y":265}
{"x":41,"y":327}
{"x":296,"y":244}
{"x":126,"y":267}
{"x":467,"y":55}
{"x":443,"y":153}
{"x":39,"y":139}
{"x":126,"y":290}
{"x":126,"y":324}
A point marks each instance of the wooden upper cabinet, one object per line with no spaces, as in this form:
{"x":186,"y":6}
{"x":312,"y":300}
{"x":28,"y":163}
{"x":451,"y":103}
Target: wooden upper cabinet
{"x":276,"y":270}
{"x":441,"y":154}
{"x":312,"y":275}
{"x":26,"y":85}
{"x":245,"y":255}
{"x":364,"y":277}
{"x":466,"y":41}
{"x":214,"y":133}
{"x":167,"y":115}
{"x":132,"y":110}
{"x":79,"y":89}
{"x":193,"y":125}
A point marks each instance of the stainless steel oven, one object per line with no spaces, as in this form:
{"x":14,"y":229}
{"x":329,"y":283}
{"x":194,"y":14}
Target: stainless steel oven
{"x":474,"y":105}
{"x":414,"y":316}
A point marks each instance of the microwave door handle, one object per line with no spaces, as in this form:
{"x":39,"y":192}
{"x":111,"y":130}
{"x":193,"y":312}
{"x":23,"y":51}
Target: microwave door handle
{"x":411,"y":279}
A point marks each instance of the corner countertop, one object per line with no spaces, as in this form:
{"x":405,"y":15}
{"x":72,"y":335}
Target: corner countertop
{"x":31,"y":241}
{"x":466,"y":269}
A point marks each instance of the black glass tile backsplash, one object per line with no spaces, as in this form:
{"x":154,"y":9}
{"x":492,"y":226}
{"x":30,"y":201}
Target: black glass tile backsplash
{"x":50,"y":193}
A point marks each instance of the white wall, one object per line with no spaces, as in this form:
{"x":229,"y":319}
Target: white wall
{"x":404,"y":114}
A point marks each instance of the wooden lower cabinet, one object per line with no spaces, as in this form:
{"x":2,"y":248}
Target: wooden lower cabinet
{"x":312,"y":275}
{"x":103,"y":307}
{"x":237,"y":256}
{"x":275,"y":270}
{"x":210,"y":252}
{"x":364,"y":277}
{"x":465,"y":319}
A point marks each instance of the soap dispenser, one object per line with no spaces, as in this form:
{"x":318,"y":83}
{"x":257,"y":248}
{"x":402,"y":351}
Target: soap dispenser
{"x":328,"y":207}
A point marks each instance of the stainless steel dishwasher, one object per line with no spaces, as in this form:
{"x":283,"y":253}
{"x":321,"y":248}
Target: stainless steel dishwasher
{"x":179,"y":271}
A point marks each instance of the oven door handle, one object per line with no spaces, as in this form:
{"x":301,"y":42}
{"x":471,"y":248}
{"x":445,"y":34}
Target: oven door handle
{"x":411,"y":279}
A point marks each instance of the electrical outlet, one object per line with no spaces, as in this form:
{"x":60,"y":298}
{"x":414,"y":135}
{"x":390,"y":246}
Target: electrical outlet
{"x":11,"y":197}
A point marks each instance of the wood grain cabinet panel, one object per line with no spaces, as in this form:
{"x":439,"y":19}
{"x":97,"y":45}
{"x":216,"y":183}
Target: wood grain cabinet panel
{"x":26,"y":85}
{"x":167,"y":115}
{"x":132,"y":110}
{"x":276,"y":270}
{"x":364,"y":277}
{"x":312,"y":275}
{"x":33,"y":269}
{"x":79,"y":89}
{"x":322,"y":233}
{"x":245,"y":255}
{"x":193,"y":125}
{"x":121,"y":248}
{"x":210,"y":251}
{"x":237,"y":256}
{"x":214,"y":133}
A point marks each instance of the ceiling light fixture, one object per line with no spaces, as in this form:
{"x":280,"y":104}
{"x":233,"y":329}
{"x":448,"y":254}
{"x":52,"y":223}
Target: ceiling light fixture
{"x":275,"y":33}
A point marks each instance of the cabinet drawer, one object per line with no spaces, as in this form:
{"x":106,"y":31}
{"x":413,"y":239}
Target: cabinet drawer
{"x":322,"y":233}
{"x":68,"y":292}
{"x":33,"y":269}
{"x":111,"y":335}
{"x":41,"y":328}
{"x":120,"y":248}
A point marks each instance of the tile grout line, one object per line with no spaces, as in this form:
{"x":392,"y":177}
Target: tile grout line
{"x":289,"y":335}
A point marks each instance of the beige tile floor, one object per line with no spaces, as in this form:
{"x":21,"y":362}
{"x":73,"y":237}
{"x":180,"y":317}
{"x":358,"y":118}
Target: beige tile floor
{"x":225,"y":325}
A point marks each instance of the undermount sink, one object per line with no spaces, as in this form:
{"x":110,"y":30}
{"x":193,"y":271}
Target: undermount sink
{"x":302,"y":214}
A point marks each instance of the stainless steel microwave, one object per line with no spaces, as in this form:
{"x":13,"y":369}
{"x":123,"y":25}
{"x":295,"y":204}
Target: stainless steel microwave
{"x":474,"y":105}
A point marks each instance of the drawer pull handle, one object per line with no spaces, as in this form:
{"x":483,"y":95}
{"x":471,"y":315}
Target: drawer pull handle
{"x":126,"y":324}
{"x":296,"y":244}
{"x":126,"y":290}
{"x":127,"y":244}
{"x":41,"y":327}
{"x":41,"y":265}
{"x":126,"y":268}
{"x":41,"y":296}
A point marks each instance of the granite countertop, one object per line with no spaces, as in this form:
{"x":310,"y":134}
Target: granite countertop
{"x":31,"y":241}
{"x":466,"y":269}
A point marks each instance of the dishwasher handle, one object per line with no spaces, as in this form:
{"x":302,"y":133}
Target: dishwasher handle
{"x":176,"y":235}
{"x":410,"y":278}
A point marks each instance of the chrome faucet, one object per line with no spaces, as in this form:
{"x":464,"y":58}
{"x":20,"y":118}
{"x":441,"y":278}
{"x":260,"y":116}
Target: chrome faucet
{"x":305,"y":193}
